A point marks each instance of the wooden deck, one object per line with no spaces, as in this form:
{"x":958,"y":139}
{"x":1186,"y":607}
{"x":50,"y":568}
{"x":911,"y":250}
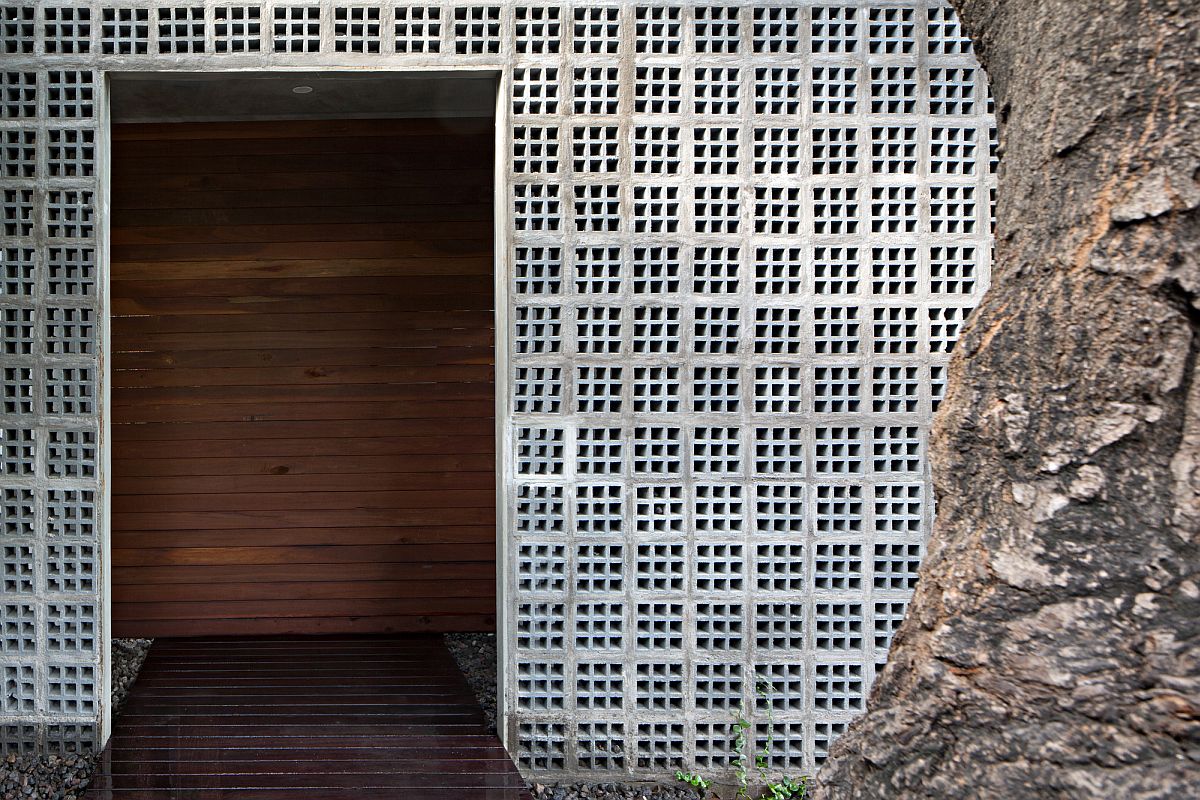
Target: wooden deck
{"x":300,"y":718}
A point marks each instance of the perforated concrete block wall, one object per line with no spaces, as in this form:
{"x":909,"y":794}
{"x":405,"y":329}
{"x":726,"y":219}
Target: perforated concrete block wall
{"x":738,"y":242}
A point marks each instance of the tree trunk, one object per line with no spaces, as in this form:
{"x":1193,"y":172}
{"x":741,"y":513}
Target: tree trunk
{"x":1053,"y":645}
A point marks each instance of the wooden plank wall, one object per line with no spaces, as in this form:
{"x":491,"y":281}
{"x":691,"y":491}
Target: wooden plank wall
{"x":302,"y":403}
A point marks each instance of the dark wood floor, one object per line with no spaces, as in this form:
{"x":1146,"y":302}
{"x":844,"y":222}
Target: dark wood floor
{"x":300,"y":718}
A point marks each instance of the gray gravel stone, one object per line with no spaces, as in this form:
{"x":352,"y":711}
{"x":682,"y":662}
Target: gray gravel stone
{"x":475,"y":654}
{"x":65,"y":777}
{"x":612,"y":791}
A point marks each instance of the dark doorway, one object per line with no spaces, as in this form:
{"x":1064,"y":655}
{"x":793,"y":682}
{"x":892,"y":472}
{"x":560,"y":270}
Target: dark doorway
{"x":303,"y":391}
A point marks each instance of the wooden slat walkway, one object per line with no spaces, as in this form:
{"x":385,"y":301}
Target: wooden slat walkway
{"x":303,"y":718}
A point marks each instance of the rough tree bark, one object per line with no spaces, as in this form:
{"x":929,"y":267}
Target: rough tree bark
{"x":1053,"y":645}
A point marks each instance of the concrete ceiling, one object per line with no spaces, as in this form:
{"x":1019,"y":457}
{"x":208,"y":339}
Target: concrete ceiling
{"x":214,"y":96}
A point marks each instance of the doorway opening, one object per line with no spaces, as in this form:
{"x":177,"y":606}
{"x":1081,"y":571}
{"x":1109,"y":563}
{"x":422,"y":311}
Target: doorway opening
{"x":302,"y":353}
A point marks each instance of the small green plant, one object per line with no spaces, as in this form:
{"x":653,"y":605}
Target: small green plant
{"x":692,"y":779}
{"x":740,"y":744}
{"x":785,"y":788}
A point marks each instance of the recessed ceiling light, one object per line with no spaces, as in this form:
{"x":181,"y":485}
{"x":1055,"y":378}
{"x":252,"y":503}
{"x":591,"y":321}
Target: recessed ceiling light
{"x":302,"y":89}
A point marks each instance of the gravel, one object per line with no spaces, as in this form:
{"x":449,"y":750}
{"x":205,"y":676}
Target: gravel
{"x":612,"y":791}
{"x":65,"y":777}
{"x":475,"y":654}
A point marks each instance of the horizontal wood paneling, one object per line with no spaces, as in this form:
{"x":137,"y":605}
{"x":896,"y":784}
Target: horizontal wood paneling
{"x":312,"y":718}
{"x":303,"y":392}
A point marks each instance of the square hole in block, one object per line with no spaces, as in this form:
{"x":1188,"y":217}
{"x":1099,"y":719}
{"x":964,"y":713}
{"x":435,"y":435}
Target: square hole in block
{"x":598,"y":270}
{"x":833,"y":89}
{"x":891,"y":30}
{"x":716,"y":450}
{"x":541,"y":567}
{"x":600,"y":746}
{"x":893,"y":149}
{"x":657,"y":30}
{"x":597,"y":207}
{"x":952,"y":91}
{"x":237,"y":29}
{"x":715,"y":270}
{"x":778,"y":91}
{"x":540,"y":451}
{"x":779,"y":568}
{"x":886,"y":621}
{"x":71,"y":628}
{"x":899,"y":509}
{"x":656,"y":209}
{"x":719,"y":509}
{"x":893,"y":270}
{"x":535,"y":149}
{"x":599,"y":625}
{"x":659,"y":508}
{"x":69,"y":214}
{"x":719,"y":687}
{"x":596,"y":30}
{"x":716,"y":91}
{"x":720,"y":627}
{"x":838,"y":687}
{"x":418,"y":29}
{"x":598,"y":389}
{"x":839,"y":509}
{"x":18,"y":29}
{"x":17,"y":512}
{"x":537,"y":270}
{"x":537,"y":390}
{"x":656,"y":268}
{"x":599,"y":685}
{"x":541,"y":746}
{"x":779,"y":626}
{"x":538,"y":30}
{"x":70,"y":513}
{"x":18,"y":568}
{"x":599,"y":508}
{"x":660,"y":745}
{"x":779,"y":508}
{"x":777,"y":29}
{"x":656,"y":390}
{"x":659,"y":687}
{"x":595,"y":90}
{"x":660,"y":567}
{"x":778,"y":451}
{"x":835,"y":210}
{"x":656,"y":329}
{"x":717,"y":29}
{"x":839,"y":450}
{"x":537,"y":330}
{"x":357,"y":29}
{"x":656,"y":90}
{"x":599,"y":568}
{"x":719,"y":567}
{"x":540,"y":625}
{"x":659,"y":626}
{"x":181,"y":29}
{"x":838,"y":626}
{"x":535,"y":90}
{"x":540,"y":510}
{"x":17,"y":271}
{"x":835,"y":29}
{"x":296,"y":29}
{"x":540,"y":686}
